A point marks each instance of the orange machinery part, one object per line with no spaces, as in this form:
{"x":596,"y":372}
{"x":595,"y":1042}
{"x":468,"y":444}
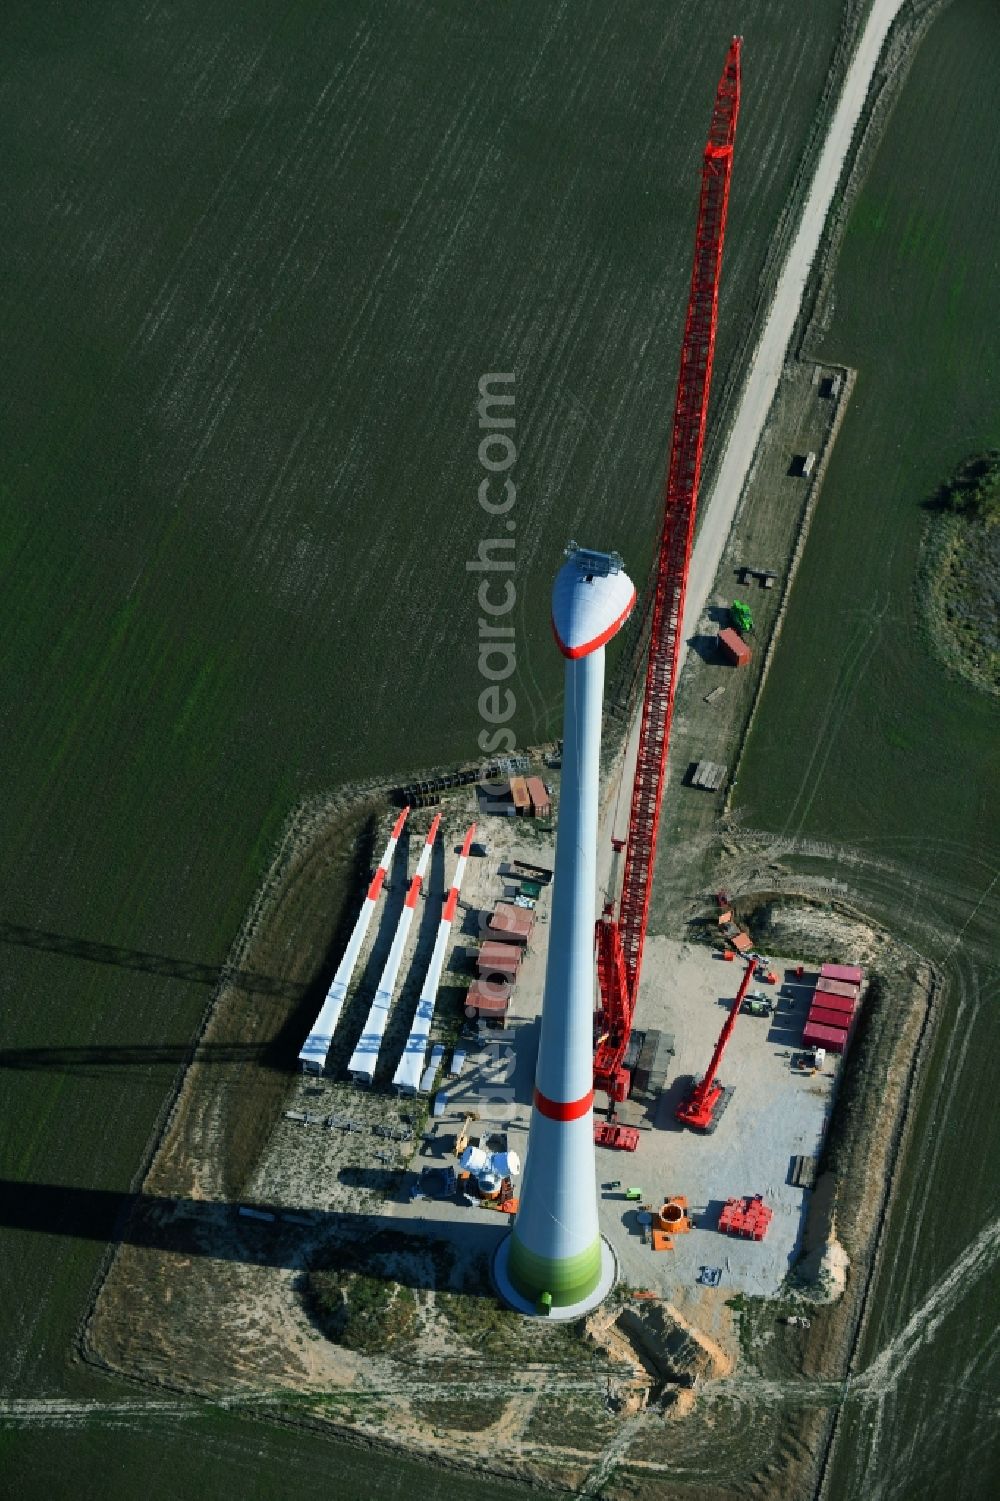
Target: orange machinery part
{"x":673,"y":1216}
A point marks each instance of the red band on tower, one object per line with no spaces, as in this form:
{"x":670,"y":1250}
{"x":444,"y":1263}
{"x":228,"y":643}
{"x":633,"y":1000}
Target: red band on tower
{"x":557,"y":1110}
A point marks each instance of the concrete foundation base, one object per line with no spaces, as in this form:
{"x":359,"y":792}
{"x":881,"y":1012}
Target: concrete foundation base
{"x":510,"y":1295}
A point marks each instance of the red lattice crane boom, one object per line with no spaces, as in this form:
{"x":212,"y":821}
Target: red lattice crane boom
{"x":620,"y":940}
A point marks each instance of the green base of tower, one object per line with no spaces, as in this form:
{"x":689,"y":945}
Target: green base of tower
{"x":569,"y":1279}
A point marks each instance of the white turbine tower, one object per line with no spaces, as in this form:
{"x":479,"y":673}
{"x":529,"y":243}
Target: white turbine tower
{"x":554,"y":1259}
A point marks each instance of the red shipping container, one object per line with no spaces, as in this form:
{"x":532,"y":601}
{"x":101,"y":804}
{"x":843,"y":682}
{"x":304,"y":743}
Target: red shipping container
{"x":819,"y":1016}
{"x":838,"y":987}
{"x":520,"y":795}
{"x":489,"y":999}
{"x":499,"y":958}
{"x":541,"y":803}
{"x":850,"y":973}
{"x":510,"y":924}
{"x":815,"y":1036}
{"x":734,"y":647}
{"x":833,"y":1002}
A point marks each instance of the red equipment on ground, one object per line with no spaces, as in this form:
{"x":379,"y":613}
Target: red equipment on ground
{"x":623,"y":1138}
{"x":748,"y":1218}
{"x":620,"y":940}
{"x":707,"y":1099}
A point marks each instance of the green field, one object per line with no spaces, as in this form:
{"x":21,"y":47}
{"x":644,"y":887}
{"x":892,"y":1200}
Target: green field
{"x":864,"y":741}
{"x":255,"y":260}
{"x":163,"y":1459}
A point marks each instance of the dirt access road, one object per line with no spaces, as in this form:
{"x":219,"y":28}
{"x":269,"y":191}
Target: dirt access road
{"x":719,"y":510}
{"x":769,"y":356}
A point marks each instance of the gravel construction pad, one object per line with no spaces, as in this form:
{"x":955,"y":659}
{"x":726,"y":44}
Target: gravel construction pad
{"x":774,"y":1114}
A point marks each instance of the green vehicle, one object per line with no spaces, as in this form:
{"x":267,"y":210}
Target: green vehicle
{"x":742,"y":618}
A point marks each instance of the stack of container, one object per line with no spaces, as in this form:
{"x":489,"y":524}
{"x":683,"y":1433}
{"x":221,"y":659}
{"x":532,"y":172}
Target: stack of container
{"x":834,"y":1007}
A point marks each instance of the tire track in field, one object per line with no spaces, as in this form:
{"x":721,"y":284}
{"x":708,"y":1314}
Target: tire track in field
{"x":613,"y":1453}
{"x":852,"y":671}
{"x":976,"y":1262}
{"x":879,"y":1381}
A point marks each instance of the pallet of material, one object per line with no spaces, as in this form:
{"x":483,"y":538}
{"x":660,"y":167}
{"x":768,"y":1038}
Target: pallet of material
{"x":629,"y":1112}
{"x":803,"y":1172}
{"x":618,"y":1138}
{"x":708,"y":775}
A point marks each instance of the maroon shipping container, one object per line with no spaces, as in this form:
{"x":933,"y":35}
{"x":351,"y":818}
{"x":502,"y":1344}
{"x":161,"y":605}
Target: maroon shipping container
{"x":499,"y":958}
{"x":823,"y":1018}
{"x":838,"y":987}
{"x":734,"y":647}
{"x":510,"y":924}
{"x":850,"y":973}
{"x":541,"y":803}
{"x":520,"y":796}
{"x":834,"y":1002}
{"x":815,"y":1036}
{"x":486,"y":998}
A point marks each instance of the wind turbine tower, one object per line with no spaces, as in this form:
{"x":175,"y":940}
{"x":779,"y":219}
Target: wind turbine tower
{"x":554,"y":1260}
